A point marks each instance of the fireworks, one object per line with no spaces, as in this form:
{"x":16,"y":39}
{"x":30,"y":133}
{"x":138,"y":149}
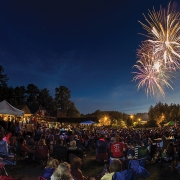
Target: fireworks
{"x":164,"y":32}
{"x":159,"y":56}
{"x":152,"y":74}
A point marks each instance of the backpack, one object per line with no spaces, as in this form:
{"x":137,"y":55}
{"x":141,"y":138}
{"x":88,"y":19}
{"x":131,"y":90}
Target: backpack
{"x":123,"y":175}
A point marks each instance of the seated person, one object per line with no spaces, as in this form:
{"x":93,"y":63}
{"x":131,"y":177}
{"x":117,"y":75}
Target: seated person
{"x":52,"y":165}
{"x":74,"y":150}
{"x":169,"y":152}
{"x":143,"y":152}
{"x":130,"y":153}
{"x":63,"y":172}
{"x":3,"y":145}
{"x":75,"y":169}
{"x":41,"y":150}
{"x":117,"y":149}
{"x":60,"y":151}
{"x":165,"y":142}
{"x":24,"y":149}
{"x":101,"y":145}
{"x":115,"y":166}
{"x":29,"y":141}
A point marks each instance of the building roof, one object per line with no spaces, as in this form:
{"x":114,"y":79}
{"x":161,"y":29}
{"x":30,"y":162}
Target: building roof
{"x":57,"y":113}
{"x":36,"y":108}
{"x":24,"y":108}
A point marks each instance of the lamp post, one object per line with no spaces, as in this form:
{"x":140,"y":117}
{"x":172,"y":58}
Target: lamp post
{"x":131,"y":117}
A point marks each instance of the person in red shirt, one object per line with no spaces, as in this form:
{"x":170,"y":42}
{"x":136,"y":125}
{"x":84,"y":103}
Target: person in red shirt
{"x":117,"y":149}
{"x":25,"y":150}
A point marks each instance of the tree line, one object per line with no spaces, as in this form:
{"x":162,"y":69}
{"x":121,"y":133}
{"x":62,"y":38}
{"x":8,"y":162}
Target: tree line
{"x":163,"y":113}
{"x":32,"y":95}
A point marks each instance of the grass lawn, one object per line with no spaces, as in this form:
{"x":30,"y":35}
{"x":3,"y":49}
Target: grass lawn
{"x":157,"y":171}
{"x":91,"y":169}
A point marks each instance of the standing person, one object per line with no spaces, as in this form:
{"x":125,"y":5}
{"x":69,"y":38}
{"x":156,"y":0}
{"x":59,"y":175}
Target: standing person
{"x":101,"y":149}
{"x":13,"y":127}
{"x":117,"y":149}
{"x":17,"y":129}
{"x":101,"y":145}
{"x":29,"y":129}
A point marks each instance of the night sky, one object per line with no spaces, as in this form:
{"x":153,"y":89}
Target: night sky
{"x":89,"y":46}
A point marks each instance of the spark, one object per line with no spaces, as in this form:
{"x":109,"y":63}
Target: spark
{"x":163,"y":29}
{"x":152,"y":74}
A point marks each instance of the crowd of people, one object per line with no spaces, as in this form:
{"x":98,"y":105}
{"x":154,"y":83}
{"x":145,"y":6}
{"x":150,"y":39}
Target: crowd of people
{"x":62,"y":149}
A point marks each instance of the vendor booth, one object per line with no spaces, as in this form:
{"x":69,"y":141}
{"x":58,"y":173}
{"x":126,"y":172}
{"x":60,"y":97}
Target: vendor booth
{"x":9,"y":110}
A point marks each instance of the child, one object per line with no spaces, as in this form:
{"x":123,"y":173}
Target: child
{"x":52,"y":164}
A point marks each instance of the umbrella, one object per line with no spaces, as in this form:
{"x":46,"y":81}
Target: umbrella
{"x":88,"y":122}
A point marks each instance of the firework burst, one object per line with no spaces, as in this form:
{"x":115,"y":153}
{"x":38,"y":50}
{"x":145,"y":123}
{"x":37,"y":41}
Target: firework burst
{"x":159,"y":55}
{"x":163,"y":29}
{"x":152,"y":74}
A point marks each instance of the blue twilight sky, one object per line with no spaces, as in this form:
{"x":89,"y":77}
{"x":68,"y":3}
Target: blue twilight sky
{"x":88,"y":46}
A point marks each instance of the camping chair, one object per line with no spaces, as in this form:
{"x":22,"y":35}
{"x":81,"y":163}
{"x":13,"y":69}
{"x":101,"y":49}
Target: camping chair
{"x":123,"y":175}
{"x":2,"y":168}
{"x":41,"y":154}
{"x":7,"y":159}
{"x":61,"y":153}
{"x":102,"y":157}
{"x":41,"y":178}
{"x":138,"y":170}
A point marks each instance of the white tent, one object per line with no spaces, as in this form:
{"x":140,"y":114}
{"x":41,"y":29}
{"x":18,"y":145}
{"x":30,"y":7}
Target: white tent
{"x":6,"y":108}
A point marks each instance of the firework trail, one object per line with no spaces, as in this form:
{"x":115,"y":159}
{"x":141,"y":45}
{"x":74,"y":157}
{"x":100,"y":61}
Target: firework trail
{"x":152,"y":74}
{"x":163,"y":29}
{"x":159,"y":55}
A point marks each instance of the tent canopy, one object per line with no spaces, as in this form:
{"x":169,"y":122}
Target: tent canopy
{"x":170,"y":123}
{"x":88,"y":122}
{"x":6,"y":108}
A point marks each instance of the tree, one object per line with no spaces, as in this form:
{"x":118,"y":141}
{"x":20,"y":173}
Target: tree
{"x":3,"y":77}
{"x":20,"y":95}
{"x":151,"y":113}
{"x":72,"y":111}
{"x":152,"y":123}
{"x":3,"y":84}
{"x":62,"y":98}
{"x":129,"y":122}
{"x":32,"y":94}
{"x":46,"y":100}
{"x":10,"y":96}
{"x":4,"y":93}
